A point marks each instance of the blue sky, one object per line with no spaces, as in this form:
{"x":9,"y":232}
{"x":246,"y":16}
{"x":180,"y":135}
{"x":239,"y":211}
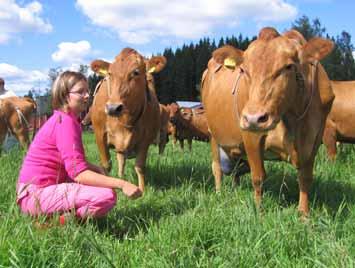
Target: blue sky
{"x":38,"y":35}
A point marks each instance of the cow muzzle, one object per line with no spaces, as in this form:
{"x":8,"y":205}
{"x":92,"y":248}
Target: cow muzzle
{"x":257,"y":121}
{"x":114,"y":109}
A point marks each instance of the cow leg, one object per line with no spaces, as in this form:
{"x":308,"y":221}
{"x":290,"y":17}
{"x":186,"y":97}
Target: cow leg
{"x":216,"y":165}
{"x":140,"y":166}
{"x":181,"y":141}
{"x":190,"y":144}
{"x":329,"y":140}
{"x":173,"y":134}
{"x":2,"y":138}
{"x":121,"y":161}
{"x":254,"y":150}
{"x":242,"y":168}
{"x":305,"y":178}
{"x":101,"y":141}
{"x":163,"y":140}
{"x":23,"y":140}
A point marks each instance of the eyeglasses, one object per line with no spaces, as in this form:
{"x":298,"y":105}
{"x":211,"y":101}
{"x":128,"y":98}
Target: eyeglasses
{"x":81,"y":94}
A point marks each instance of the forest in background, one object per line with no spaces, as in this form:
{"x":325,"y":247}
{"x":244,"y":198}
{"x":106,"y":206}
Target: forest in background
{"x":180,"y":79}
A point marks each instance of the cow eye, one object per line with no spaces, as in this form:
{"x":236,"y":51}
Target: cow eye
{"x":136,"y":72}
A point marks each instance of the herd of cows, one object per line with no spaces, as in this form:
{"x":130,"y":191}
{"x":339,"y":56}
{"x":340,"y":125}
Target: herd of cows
{"x":273,"y":101}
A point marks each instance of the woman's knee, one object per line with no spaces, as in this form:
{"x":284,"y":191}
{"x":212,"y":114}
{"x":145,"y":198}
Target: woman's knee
{"x":103,"y":202}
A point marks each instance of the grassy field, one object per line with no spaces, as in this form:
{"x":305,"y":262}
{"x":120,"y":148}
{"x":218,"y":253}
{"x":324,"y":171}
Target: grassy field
{"x":182,"y":222}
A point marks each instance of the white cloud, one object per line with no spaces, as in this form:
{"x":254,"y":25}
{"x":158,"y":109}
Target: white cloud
{"x":73,"y":53}
{"x":141,"y":21}
{"x":21,"y":81}
{"x":15,"y":19}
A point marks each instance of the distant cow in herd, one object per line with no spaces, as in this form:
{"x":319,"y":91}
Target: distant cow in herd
{"x":189,"y":124}
{"x":15,"y":114}
{"x":271,"y":100}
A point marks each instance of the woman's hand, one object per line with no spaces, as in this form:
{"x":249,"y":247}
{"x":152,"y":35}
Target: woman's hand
{"x":131,"y":190}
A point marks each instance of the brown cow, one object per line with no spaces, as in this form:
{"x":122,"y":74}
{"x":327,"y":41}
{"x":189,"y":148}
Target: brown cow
{"x":339,"y":126}
{"x":272,"y":98}
{"x":15,"y":113}
{"x":125,"y":111}
{"x":189,"y":123}
{"x":164,"y":127}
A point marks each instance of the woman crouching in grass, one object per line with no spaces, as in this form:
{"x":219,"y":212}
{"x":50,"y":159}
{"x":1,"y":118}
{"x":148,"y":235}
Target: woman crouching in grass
{"x":55,"y":176}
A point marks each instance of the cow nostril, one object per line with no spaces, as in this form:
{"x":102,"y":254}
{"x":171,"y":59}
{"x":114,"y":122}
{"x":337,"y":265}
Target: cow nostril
{"x":263,"y":118}
{"x":114,"y":109}
{"x":119,"y":109}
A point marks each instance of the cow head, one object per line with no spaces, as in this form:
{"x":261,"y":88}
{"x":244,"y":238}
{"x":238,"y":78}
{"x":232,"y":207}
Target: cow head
{"x":174,"y":110}
{"x":186,"y":113}
{"x":127,"y":83}
{"x":273,"y":65}
{"x":271,"y":69}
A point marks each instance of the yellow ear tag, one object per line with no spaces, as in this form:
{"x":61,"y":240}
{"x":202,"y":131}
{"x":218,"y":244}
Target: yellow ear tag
{"x":103,"y":72}
{"x":229,"y":63}
{"x":152,"y":70}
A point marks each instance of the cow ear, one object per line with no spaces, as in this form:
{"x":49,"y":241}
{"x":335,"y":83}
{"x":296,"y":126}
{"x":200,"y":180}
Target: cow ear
{"x":100,"y":67}
{"x":268,"y":33}
{"x":295,"y":35}
{"x":316,"y":49}
{"x":155,"y":64}
{"x":228,"y":55}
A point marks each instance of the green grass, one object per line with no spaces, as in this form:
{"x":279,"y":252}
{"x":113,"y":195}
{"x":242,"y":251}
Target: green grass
{"x":182,"y":222}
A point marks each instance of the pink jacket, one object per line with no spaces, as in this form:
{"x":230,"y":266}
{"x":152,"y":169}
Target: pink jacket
{"x":56,"y":154}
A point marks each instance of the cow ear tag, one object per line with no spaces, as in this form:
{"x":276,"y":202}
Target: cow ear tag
{"x":151,"y":70}
{"x":229,"y":63}
{"x":103,"y":72}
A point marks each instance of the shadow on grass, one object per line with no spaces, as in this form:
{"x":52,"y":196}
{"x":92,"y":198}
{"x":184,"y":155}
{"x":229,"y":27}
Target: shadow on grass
{"x":325,"y":191}
{"x":128,"y":221}
{"x":174,"y":176}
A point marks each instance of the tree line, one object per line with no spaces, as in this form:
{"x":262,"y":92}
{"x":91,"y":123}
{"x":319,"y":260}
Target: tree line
{"x":180,"y":79}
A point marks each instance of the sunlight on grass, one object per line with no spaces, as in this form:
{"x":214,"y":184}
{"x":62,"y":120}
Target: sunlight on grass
{"x":182,"y":222}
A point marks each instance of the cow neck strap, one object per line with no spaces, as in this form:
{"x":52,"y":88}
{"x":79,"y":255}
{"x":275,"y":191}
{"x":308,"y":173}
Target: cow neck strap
{"x":97,"y":88}
{"x":146,"y":99}
{"x":313,"y":76}
{"x":235,"y":91}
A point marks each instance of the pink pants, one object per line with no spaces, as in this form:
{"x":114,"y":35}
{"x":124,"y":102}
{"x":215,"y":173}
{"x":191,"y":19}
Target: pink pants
{"x":85,"y":201}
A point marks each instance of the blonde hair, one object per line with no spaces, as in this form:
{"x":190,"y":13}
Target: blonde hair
{"x":61,"y":87}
